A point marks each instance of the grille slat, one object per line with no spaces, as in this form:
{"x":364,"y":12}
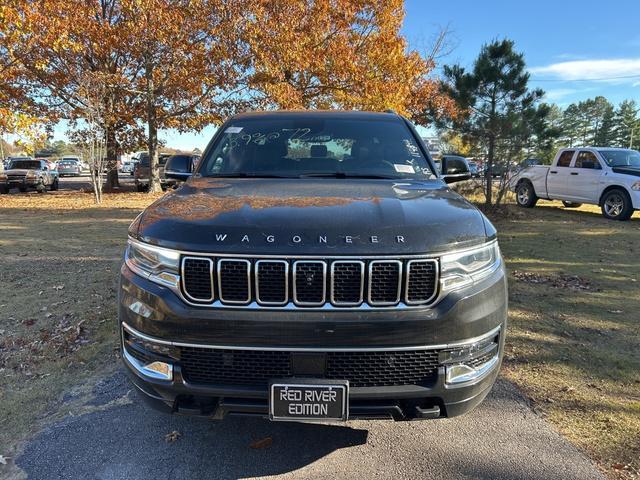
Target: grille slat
{"x":234,"y":280}
{"x":347,"y":282}
{"x":362,"y":369}
{"x":421,"y":281}
{"x":378,"y":282}
{"x":310,"y":284}
{"x":197,"y":277}
{"x":385,"y":279}
{"x":272,"y":286}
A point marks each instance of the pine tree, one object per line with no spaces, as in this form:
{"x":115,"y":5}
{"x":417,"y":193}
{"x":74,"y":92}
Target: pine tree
{"x":501,"y":109}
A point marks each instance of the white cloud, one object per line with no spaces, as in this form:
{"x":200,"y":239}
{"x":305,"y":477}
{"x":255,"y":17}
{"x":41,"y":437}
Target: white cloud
{"x":604,"y":69}
{"x":558,"y":93}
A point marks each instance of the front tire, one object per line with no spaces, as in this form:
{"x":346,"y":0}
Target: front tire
{"x":616,"y":205}
{"x":571,"y":204}
{"x":54,"y":185}
{"x":525,"y":195}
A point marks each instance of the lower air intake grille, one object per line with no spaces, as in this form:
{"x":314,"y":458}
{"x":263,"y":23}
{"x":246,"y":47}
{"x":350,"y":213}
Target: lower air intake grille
{"x":362,"y":369}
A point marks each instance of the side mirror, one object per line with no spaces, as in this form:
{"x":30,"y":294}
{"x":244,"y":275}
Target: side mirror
{"x":455,"y":169}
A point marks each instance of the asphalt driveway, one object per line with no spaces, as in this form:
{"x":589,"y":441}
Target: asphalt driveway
{"x":121,"y":438}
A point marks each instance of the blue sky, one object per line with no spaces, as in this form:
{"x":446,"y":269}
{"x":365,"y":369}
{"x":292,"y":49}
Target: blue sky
{"x":566,"y":43}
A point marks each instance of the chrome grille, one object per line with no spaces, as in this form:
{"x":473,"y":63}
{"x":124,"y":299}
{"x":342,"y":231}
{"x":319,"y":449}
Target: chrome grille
{"x":309,"y":283}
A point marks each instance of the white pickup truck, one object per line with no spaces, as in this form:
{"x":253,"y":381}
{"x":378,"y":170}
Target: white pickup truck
{"x":609,"y":177}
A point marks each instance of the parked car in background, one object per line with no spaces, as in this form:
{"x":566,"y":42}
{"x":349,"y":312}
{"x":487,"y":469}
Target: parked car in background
{"x":473,"y":168}
{"x":142,"y":171}
{"x":126,"y":166}
{"x":69,"y":167}
{"x":530,"y":162}
{"x":502,"y":168}
{"x":25,"y":174}
{"x":608,"y":177}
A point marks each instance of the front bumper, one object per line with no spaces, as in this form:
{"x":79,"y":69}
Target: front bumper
{"x":156,"y":315}
{"x":19,"y":183}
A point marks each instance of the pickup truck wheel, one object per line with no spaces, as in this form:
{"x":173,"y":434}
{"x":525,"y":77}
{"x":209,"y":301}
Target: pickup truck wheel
{"x":22,"y":189}
{"x":526,"y":195}
{"x":54,"y":185}
{"x":571,"y":204}
{"x":4,"y":190}
{"x":616,"y":205}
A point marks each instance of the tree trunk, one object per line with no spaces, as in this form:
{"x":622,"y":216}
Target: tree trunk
{"x":489,"y":170}
{"x":152,"y":138}
{"x":112,"y":181}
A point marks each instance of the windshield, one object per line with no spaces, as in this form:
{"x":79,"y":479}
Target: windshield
{"x":621,"y":158}
{"x":316,"y":146}
{"x":25,"y":164}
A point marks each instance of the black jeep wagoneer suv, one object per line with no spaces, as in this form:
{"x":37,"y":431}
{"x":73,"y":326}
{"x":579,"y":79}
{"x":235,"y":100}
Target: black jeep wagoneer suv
{"x":314,"y":267}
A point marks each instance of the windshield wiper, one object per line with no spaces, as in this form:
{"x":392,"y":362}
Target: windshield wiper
{"x":247,"y":175}
{"x":346,"y":175}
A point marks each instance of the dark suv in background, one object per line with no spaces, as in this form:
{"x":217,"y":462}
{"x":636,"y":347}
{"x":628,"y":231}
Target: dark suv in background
{"x":314,"y":267}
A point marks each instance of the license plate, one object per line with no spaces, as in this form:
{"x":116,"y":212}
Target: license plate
{"x":324,"y":400}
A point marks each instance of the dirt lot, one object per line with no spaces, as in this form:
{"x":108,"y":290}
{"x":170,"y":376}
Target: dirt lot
{"x":573,"y":344}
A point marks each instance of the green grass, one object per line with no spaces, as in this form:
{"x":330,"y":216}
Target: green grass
{"x":575,"y":349}
{"x":573,"y":346}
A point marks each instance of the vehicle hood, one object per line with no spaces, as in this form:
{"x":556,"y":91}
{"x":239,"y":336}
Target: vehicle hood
{"x":312,"y":217}
{"x":635,"y":171}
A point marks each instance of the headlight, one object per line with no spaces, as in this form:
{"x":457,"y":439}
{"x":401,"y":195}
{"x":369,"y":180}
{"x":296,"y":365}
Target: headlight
{"x":464,"y":268}
{"x":636,"y":186}
{"x":160,"y":265}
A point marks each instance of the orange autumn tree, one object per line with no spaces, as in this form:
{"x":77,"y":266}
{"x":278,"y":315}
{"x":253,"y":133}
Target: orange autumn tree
{"x":62,"y":46}
{"x":191,"y":64}
{"x":339,"y":54}
{"x":18,"y":112}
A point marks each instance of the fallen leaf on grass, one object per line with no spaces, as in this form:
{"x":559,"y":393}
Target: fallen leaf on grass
{"x":4,"y":460}
{"x":561,"y":281}
{"x":172,"y":437}
{"x":263,"y":443}
{"x":621,"y":466}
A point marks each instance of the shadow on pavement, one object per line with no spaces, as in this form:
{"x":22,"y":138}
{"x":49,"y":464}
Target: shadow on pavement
{"x":117,"y":442}
{"x":121,"y":439}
